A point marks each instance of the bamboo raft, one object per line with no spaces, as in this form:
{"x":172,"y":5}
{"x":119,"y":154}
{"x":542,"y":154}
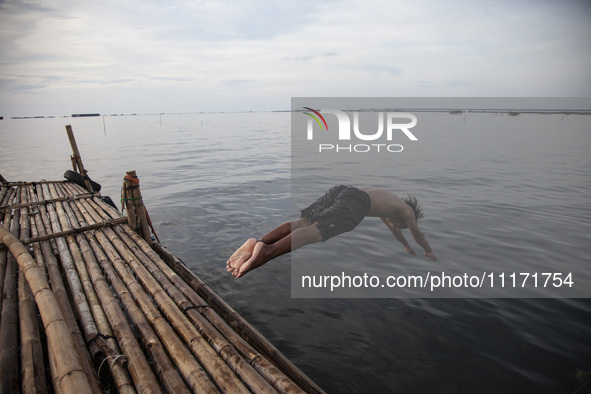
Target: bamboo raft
{"x":91,"y":302}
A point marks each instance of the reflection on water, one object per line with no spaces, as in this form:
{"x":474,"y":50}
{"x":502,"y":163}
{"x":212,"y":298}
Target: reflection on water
{"x":212,"y":180}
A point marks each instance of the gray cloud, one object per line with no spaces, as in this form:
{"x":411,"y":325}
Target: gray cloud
{"x":273,"y":50}
{"x":21,"y":83}
{"x":238,"y":82}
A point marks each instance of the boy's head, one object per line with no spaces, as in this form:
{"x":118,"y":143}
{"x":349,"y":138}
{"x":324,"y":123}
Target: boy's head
{"x":414,"y":204}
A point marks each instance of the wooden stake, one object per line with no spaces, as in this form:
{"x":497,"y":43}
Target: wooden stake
{"x":136,"y":211}
{"x":77,"y":160}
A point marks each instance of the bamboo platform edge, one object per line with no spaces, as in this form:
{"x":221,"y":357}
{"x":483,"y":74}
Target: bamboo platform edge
{"x":251,"y":334}
{"x":116,"y":221}
{"x":115,"y":306}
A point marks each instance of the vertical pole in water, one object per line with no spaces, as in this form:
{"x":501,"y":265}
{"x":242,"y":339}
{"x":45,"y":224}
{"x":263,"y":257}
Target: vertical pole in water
{"x":77,"y":160}
{"x":136,"y":211}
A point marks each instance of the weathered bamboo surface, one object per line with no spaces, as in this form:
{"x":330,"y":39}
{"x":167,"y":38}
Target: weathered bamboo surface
{"x":90,"y":305}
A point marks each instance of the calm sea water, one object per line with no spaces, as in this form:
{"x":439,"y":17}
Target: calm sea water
{"x":212,"y":180}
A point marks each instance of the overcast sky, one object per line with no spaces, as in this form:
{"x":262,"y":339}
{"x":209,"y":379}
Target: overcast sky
{"x":63,"y":57}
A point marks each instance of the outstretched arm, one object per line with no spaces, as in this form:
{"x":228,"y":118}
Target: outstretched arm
{"x":417,"y":234}
{"x":399,"y":236}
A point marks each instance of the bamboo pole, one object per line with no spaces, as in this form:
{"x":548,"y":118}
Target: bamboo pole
{"x":94,"y":320}
{"x":46,"y":224}
{"x":148,"y":328}
{"x":74,"y":231}
{"x":61,"y":296}
{"x":9,"y":381}
{"x":77,"y":277}
{"x":119,"y":373}
{"x":44,"y":202}
{"x":69,"y":255}
{"x":9,"y":331}
{"x":223,"y":348}
{"x":40,"y":260}
{"x":135,"y":305}
{"x":10,"y":184}
{"x":139,"y":367}
{"x":5,"y":219}
{"x":3,"y":257}
{"x":107,"y":257}
{"x":221,"y":373}
{"x":263,"y":366}
{"x":39,"y":249}
{"x":54,"y":376}
{"x":235,"y":320}
{"x":71,"y":376}
{"x":104,"y":337}
{"x":3,"y":191}
{"x":184,"y":360}
{"x":32,"y":363}
{"x":271,"y":373}
{"x":39,"y":225}
{"x":8,"y":196}
{"x":109,"y":210}
{"x":226,"y":351}
{"x":77,"y":159}
{"x":145,"y":298}
{"x":2,"y":274}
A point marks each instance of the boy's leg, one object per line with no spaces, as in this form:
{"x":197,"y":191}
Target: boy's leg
{"x":283,"y":230}
{"x":262,"y":253}
{"x":242,"y":254}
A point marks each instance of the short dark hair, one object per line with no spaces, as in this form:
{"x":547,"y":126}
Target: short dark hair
{"x":414,"y":204}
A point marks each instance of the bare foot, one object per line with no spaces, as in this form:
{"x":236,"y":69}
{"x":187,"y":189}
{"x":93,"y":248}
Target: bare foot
{"x":255,"y":261}
{"x":241,"y":255}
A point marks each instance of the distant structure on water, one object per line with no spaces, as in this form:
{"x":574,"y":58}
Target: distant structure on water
{"x":84,"y":115}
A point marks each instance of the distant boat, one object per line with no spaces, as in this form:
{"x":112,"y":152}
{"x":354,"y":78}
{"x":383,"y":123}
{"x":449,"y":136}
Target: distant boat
{"x":83,"y":115}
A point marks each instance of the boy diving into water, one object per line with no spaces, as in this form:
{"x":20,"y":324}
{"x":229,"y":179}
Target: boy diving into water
{"x":340,"y":210}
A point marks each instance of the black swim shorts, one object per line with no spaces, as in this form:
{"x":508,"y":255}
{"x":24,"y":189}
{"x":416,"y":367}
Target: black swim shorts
{"x":340,"y":210}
